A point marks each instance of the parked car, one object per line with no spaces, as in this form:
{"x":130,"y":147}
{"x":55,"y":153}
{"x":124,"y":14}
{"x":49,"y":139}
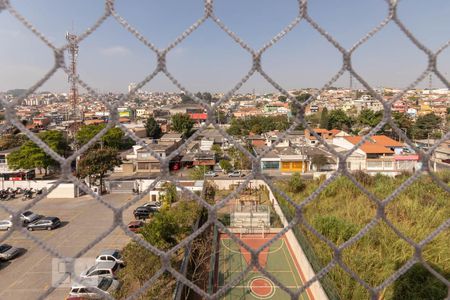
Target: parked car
{"x":111,"y":255}
{"x":210,"y":174}
{"x":144,"y":212}
{"x":155,"y":205}
{"x":8,"y":252}
{"x":235,"y":174}
{"x":5,"y":224}
{"x":29,"y":216}
{"x":107,"y":285}
{"x":48,"y":223}
{"x":101,"y":269}
{"x":135,"y":226}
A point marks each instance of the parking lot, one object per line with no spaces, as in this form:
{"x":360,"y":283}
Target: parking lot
{"x":83,"y":219}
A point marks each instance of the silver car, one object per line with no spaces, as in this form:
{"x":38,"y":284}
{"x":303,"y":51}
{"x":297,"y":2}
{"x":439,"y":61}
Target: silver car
{"x":5,"y":224}
{"x":8,"y":252}
{"x":29,"y":216}
{"x":101,"y":269}
{"x":87,"y":287}
{"x":112,"y":255}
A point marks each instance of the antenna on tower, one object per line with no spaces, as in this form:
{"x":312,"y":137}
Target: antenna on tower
{"x":351,"y":82}
{"x":430,"y":82}
{"x":73,"y":54}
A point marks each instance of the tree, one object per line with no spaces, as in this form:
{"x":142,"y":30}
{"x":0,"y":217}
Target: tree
{"x":221,"y":117}
{"x":198,"y":172}
{"x":338,"y":119}
{"x":170,"y":194}
{"x":153,"y":128}
{"x":369,"y":118}
{"x":225,"y":165}
{"x":8,"y":140}
{"x":186,"y":99}
{"x":182,"y":123}
{"x":426,"y":124}
{"x":403,"y":121}
{"x":30,"y":156}
{"x":324,"y":118}
{"x":318,"y":160}
{"x":113,"y":138}
{"x":282,"y":98}
{"x":217,"y":150}
{"x":239,"y":160}
{"x":97,"y":162}
{"x":295,"y":106}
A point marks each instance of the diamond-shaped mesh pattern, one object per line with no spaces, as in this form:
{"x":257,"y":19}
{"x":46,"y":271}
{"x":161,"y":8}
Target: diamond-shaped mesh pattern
{"x":257,"y":67}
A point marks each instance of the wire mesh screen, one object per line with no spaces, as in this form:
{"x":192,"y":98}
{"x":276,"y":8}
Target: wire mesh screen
{"x":164,"y":175}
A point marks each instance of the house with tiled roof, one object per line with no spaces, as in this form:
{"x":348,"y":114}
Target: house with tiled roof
{"x":378,"y":154}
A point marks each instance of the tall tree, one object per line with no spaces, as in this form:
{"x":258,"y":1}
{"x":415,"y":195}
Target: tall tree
{"x":153,"y":128}
{"x":426,"y":124}
{"x":96,"y":163}
{"x":368,"y":117}
{"x":295,"y":106}
{"x":113,"y":138}
{"x":340,"y":120}
{"x":30,"y":156}
{"x":182,"y":123}
{"x":324,"y":118}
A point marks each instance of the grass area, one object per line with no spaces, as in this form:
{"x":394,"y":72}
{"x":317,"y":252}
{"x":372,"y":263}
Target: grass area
{"x":342,"y":210}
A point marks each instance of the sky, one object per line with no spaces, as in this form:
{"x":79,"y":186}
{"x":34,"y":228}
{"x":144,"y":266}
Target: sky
{"x":208,"y":60}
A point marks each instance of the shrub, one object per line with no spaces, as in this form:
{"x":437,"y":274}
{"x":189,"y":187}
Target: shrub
{"x":296,"y":183}
{"x":364,"y":178}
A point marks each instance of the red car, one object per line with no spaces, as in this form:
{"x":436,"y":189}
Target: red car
{"x":135,"y":226}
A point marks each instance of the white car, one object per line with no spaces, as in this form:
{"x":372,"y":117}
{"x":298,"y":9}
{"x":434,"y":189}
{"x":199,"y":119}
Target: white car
{"x":105,"y":285}
{"x":102,"y":269}
{"x":210,"y":174}
{"x":111,"y":255}
{"x":5,"y":224}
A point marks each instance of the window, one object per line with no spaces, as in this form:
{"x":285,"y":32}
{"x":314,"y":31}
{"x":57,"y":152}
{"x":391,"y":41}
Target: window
{"x":143,"y":166}
{"x":297,"y":165}
{"x":272,"y":165}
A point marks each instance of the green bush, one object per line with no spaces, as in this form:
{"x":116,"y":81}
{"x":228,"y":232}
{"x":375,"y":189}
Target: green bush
{"x":296,"y":183}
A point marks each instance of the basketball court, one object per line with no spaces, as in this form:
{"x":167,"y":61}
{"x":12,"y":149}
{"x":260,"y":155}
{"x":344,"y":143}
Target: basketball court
{"x":276,"y":259}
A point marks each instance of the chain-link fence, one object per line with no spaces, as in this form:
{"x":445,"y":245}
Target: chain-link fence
{"x":257,"y":67}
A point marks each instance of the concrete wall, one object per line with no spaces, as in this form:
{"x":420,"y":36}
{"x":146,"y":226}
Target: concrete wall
{"x":63,"y":190}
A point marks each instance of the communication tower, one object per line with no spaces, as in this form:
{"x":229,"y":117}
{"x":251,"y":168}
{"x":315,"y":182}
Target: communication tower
{"x":73,"y":54}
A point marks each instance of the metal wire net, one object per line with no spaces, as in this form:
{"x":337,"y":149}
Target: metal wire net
{"x":257,"y":67}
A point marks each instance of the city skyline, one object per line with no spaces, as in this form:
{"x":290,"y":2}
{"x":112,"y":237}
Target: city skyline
{"x":209,"y":60}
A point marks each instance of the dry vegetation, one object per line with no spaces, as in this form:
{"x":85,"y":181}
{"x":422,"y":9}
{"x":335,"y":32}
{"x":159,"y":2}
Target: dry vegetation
{"x":342,"y":210}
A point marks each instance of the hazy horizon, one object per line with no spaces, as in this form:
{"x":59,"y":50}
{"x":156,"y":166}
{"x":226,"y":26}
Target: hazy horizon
{"x":209,"y":60}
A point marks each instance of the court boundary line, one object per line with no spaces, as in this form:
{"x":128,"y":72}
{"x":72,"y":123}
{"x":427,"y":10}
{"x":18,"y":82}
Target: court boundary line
{"x":238,"y":251}
{"x":299,"y":269}
{"x":290,"y":267}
